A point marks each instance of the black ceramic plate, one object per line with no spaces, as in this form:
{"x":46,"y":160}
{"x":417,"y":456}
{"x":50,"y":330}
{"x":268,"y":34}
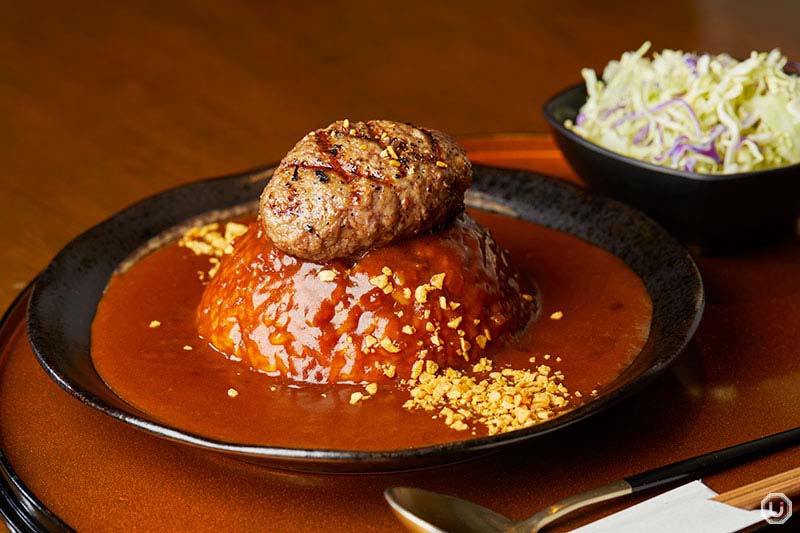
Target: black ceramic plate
{"x":20,"y":509}
{"x":66,"y":295}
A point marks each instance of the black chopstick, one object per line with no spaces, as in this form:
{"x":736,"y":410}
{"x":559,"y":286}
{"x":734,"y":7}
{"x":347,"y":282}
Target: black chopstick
{"x":712,"y":461}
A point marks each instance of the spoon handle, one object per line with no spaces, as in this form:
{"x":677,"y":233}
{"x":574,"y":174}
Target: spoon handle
{"x":679,"y":471}
{"x":712,"y":461}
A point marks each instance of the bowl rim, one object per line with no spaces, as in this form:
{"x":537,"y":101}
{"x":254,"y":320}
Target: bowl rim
{"x":548,"y":112}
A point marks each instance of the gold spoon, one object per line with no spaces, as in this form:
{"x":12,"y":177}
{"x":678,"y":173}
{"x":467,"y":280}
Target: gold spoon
{"x":423,"y":511}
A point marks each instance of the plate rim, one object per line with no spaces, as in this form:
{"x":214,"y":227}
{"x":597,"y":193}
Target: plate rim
{"x":316,"y":459}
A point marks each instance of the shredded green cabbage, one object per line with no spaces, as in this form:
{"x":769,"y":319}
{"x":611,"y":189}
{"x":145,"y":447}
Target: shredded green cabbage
{"x":709,"y":114}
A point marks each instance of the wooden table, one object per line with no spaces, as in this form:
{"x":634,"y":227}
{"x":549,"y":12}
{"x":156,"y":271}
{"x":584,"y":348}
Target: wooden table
{"x":738,"y":380}
{"x":102,"y":105}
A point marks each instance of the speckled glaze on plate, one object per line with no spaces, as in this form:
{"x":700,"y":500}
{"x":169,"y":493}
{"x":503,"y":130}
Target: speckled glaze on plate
{"x":65,"y":298}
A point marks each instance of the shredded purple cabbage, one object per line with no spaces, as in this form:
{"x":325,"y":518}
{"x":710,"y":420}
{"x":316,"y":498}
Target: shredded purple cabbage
{"x":682,"y":145}
{"x":641,"y":134}
{"x":691,"y":62}
{"x":580,"y":119}
{"x":605,"y":113}
{"x":659,"y":107}
{"x":676,"y":146}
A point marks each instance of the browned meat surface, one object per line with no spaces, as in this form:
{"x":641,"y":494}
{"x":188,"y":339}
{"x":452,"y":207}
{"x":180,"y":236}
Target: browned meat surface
{"x":351,"y":187}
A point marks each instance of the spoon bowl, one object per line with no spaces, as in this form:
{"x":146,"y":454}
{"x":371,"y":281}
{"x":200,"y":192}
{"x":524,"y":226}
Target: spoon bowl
{"x":439,"y":512}
{"x":430,"y":512}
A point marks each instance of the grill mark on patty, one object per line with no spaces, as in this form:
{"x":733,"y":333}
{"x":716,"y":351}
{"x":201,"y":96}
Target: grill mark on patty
{"x":323,"y":142}
{"x":347,"y":175}
{"x":435,"y":148}
{"x":349,"y":157}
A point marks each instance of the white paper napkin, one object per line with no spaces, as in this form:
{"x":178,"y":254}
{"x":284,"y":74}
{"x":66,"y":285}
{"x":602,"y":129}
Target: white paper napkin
{"x":687,"y":508}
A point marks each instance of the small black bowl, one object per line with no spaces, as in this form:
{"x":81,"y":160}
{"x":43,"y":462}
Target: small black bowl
{"x":715,"y":212}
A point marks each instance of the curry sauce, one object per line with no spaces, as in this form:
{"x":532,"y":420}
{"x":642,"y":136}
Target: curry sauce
{"x":595,"y":316}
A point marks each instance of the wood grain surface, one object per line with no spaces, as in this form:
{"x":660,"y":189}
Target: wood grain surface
{"x":737,"y":380}
{"x":105,"y":103}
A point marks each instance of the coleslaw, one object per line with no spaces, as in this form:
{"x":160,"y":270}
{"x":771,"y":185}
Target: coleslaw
{"x":709,"y":114}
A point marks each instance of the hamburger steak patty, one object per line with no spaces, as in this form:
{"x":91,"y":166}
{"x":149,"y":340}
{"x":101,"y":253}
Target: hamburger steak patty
{"x":350,"y":187}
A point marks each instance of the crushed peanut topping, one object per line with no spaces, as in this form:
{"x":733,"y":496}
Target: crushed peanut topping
{"x":389,"y":346}
{"x":458,"y":425}
{"x":391,"y":151}
{"x":443,"y":302}
{"x":421,"y":293}
{"x":208,"y":240}
{"x":483,"y":365}
{"x":346,"y":123}
{"x":406,"y":293}
{"x":154,"y":324}
{"x":504,"y":401}
{"x":371,"y":388}
{"x":465,"y":346}
{"x":453,"y":324}
{"x":441,"y":164}
{"x":408,"y":330}
{"x":370,"y":341}
{"x":233,"y":393}
{"x":394,"y":162}
{"x":527,"y":297}
{"x":386,"y":270}
{"x":437,"y":280}
{"x":187,"y":347}
{"x":558,"y":315}
{"x":480,"y":340}
{"x":214,"y":266}
{"x":327,"y":275}
{"x":389,"y":370}
{"x":380,"y":281}
{"x":356,"y":397}
{"x":416,"y":369}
